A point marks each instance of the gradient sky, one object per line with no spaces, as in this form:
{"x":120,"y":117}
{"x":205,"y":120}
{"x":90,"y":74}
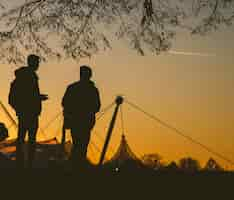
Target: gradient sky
{"x":193,"y":93}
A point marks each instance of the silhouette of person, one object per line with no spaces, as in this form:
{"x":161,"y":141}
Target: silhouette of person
{"x":25,"y":98}
{"x":81,"y":102}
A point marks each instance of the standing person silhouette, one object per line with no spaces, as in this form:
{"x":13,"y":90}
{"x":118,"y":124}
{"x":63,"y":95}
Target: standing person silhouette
{"x":81,"y":102}
{"x":25,"y":98}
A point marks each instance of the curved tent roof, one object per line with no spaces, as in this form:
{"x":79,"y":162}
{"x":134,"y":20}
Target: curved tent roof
{"x":123,"y":155}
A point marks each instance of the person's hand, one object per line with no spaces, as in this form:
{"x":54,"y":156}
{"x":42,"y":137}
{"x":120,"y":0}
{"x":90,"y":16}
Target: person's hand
{"x":44,"y":97}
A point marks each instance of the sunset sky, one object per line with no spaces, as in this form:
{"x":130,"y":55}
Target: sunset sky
{"x":190,"y":87}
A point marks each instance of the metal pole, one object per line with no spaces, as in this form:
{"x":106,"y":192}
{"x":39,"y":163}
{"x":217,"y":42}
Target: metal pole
{"x":118,"y":101}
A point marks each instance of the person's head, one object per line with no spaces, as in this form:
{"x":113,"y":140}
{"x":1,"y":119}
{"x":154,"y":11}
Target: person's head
{"x":85,"y":73}
{"x":33,"y":61}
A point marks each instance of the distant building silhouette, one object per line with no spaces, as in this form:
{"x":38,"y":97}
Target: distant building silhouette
{"x":124,"y":157}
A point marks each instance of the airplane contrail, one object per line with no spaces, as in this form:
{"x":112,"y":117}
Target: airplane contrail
{"x":190,"y":53}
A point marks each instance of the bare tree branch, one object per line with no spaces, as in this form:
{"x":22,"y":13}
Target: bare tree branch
{"x":81,"y":28}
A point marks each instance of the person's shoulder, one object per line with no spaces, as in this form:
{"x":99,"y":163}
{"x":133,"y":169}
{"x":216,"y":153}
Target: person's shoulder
{"x":21,"y":71}
{"x":73,"y":85}
{"x":25,"y":73}
{"x":94,"y":85}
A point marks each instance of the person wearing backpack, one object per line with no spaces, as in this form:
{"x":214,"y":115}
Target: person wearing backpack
{"x":80,"y":103}
{"x":25,"y":98}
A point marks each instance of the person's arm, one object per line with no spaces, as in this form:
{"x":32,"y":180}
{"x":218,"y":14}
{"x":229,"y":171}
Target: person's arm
{"x":44,"y":97}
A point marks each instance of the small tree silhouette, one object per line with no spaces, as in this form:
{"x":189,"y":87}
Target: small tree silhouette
{"x":189,"y":164}
{"x":172,"y":166}
{"x":152,"y":161}
{"x":212,"y":165}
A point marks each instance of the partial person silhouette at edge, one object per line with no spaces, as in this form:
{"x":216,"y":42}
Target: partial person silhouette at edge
{"x":3,"y":132}
{"x":25,"y":98}
{"x":81,"y":102}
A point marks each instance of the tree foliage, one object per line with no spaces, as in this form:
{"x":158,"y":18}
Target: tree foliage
{"x":212,"y":165}
{"x":152,"y":161}
{"x":189,"y":164}
{"x":172,"y":166}
{"x":80,"y":28}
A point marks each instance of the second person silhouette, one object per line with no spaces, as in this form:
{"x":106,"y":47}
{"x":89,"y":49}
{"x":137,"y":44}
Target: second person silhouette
{"x":81,"y":102}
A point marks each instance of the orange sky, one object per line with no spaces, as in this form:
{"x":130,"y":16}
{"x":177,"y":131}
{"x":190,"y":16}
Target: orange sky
{"x":193,"y":93}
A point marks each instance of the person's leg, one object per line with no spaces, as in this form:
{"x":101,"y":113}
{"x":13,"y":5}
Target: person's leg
{"x":22,"y":129}
{"x":32,"y":139}
{"x":83,"y":147}
{"x":84,"y":142}
{"x":75,"y":146}
{"x":80,"y":138}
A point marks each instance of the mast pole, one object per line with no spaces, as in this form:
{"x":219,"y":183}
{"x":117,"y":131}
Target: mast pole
{"x":119,"y":100}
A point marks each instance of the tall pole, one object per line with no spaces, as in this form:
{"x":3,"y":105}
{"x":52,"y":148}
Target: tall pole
{"x":118,"y":101}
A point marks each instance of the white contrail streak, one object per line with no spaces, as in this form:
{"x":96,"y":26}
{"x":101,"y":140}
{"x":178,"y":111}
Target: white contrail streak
{"x":190,"y":53}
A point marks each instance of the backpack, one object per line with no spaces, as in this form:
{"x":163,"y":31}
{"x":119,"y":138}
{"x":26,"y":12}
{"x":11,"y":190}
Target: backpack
{"x":12,"y":98}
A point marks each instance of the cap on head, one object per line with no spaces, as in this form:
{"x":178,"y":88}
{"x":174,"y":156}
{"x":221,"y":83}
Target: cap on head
{"x":85,"y":72}
{"x":33,"y":60}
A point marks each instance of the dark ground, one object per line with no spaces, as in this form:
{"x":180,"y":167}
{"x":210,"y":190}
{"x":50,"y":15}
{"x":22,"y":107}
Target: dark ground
{"x":59,"y":181}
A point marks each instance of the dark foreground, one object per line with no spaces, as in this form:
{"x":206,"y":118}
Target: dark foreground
{"x":59,"y":181}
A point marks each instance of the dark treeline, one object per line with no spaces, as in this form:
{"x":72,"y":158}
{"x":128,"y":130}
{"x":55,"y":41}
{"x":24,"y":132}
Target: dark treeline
{"x":187,"y":164}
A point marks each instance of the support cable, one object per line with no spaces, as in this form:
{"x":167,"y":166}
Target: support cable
{"x":103,"y":111}
{"x":8,"y":115}
{"x":92,"y":151}
{"x":122,"y":119}
{"x":95,"y":146}
{"x":52,"y":120}
{"x":179,"y":132}
{"x":101,"y":139}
